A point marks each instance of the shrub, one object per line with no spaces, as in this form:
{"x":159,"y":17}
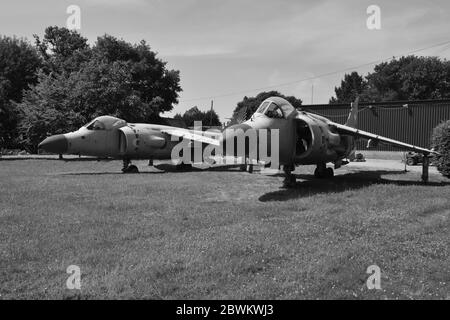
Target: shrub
{"x":441,"y":144}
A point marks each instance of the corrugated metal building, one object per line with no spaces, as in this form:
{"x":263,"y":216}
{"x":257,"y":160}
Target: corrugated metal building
{"x":408,"y":121}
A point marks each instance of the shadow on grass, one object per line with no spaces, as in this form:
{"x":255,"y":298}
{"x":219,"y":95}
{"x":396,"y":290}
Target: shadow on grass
{"x":49,"y":158}
{"x":164,"y":168}
{"x":218,"y":168}
{"x":105,"y":173}
{"x":340,"y":183}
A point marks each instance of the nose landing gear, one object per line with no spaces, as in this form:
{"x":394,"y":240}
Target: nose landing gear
{"x":247,"y":166}
{"x":128,"y":167}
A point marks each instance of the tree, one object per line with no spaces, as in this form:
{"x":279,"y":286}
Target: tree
{"x":211,"y":118}
{"x":8,"y":122}
{"x":111,"y":78}
{"x":155,"y":85}
{"x":351,"y":86}
{"x":248,"y":106}
{"x":62,"y":50}
{"x":208,"y":118}
{"x":18,"y":64}
{"x":406,"y":78}
{"x":410,"y":78}
{"x":441,"y":144}
{"x":52,"y":106}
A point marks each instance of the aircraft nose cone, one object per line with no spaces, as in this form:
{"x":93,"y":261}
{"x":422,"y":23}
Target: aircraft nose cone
{"x":55,"y":144}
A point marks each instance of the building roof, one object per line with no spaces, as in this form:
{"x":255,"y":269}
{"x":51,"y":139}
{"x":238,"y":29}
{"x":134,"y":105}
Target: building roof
{"x":387,"y":104}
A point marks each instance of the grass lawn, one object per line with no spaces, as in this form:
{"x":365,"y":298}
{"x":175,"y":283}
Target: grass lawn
{"x":220,"y":234}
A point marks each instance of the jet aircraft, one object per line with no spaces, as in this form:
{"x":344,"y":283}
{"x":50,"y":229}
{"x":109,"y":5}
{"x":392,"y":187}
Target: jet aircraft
{"x":310,"y":139}
{"x":108,"y":137}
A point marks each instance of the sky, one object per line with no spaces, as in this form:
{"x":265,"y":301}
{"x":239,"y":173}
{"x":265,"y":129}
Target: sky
{"x":229,"y":49}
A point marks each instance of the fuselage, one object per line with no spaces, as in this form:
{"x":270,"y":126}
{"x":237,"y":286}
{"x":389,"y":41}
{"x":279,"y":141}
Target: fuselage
{"x":110,"y":137}
{"x":304,"y":138}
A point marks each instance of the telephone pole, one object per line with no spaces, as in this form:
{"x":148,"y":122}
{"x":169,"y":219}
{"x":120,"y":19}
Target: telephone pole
{"x":211,"y":116}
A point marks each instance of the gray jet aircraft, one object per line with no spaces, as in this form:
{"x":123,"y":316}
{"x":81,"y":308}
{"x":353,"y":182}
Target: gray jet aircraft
{"x":109,"y":137}
{"x":310,"y":139}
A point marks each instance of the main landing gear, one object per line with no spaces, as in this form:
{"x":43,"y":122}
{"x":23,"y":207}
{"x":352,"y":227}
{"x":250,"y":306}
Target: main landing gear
{"x":290,"y":179}
{"x":128,"y":167}
{"x":322,"y":172}
{"x":425,"y":167}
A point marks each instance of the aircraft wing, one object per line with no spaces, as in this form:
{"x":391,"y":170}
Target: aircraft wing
{"x":343,"y":129}
{"x":193,"y":136}
{"x":210,"y":134}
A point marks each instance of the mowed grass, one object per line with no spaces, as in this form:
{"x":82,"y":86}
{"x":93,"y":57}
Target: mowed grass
{"x":219,"y":234}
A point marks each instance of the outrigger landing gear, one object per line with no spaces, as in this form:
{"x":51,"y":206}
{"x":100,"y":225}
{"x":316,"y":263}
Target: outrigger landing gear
{"x":425,"y":167}
{"x":128,"y":167}
{"x":322,"y":172}
{"x":290,"y":179}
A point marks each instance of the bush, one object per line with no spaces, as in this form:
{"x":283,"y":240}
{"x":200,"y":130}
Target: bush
{"x":441,"y":144}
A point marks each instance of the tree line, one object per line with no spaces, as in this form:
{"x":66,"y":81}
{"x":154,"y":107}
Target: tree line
{"x":208,"y":118}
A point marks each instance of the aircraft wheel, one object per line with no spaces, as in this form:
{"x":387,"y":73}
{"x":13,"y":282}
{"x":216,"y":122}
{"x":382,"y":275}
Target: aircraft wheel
{"x":317,"y":173}
{"x":329,"y":173}
{"x":289,"y":181}
{"x":411,"y":162}
{"x":131,"y":169}
{"x":250,"y":168}
{"x":322,"y":174}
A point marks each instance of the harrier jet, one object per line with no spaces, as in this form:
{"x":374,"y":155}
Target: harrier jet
{"x":109,"y":137}
{"x":309,"y":139}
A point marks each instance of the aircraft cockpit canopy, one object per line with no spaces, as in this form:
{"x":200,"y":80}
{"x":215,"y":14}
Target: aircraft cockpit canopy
{"x":271,"y":110}
{"x":275,"y":108}
{"x":95,"y":125}
{"x":105,"y":123}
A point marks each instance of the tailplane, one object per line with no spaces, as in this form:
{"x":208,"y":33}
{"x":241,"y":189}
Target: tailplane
{"x":352,"y":120}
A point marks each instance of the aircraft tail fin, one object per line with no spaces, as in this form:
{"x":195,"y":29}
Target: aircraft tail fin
{"x":352,"y":120}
